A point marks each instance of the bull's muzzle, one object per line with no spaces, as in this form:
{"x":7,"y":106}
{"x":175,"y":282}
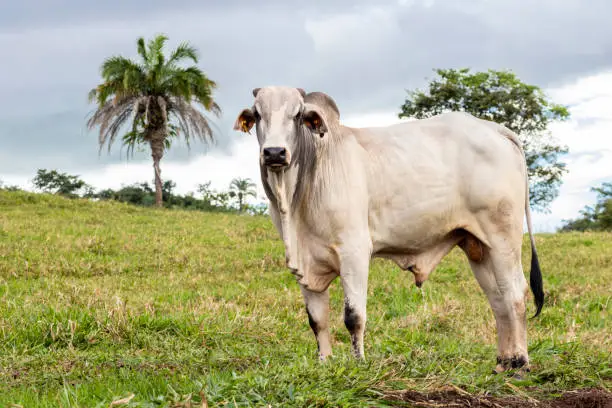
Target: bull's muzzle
{"x":275,"y":158}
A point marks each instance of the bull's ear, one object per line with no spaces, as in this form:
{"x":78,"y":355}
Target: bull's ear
{"x":245,"y":121}
{"x":314,"y":119}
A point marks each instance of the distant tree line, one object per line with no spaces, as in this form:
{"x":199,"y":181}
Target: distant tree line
{"x":234,"y":199}
{"x":6,"y":187}
{"x":597,"y":217}
{"x":592,"y":218}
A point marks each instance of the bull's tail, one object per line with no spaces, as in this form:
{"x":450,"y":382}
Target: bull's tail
{"x":535,"y":274}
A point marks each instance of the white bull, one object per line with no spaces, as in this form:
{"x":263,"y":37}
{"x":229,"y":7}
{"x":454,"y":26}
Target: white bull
{"x":408,"y":192}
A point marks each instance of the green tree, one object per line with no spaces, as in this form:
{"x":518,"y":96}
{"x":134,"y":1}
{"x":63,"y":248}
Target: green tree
{"x":168,"y":189}
{"x":501,"y":97}
{"x":206,"y":191}
{"x":156,"y":95}
{"x":598,"y":217}
{"x":243,"y":188}
{"x":257,"y":209}
{"x":54,"y":182}
{"x":213,"y":199}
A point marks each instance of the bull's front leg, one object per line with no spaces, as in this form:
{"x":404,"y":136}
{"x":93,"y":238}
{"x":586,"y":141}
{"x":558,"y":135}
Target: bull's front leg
{"x":317,"y":308}
{"x":354,"y":269}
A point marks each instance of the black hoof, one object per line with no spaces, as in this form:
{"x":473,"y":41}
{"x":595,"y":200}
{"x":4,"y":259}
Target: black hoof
{"x":518,"y":362}
{"x":511,"y":363}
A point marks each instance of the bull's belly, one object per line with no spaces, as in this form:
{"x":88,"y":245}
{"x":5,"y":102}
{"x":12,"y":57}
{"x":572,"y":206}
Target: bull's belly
{"x":417,"y":241}
{"x":422,"y":256}
{"x":412,"y":233}
{"x":406,"y":241}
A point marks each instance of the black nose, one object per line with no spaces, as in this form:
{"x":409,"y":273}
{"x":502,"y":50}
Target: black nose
{"x":275,"y":155}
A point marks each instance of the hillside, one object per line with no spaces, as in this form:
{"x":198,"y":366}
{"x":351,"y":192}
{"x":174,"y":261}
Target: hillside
{"x":99,"y":301}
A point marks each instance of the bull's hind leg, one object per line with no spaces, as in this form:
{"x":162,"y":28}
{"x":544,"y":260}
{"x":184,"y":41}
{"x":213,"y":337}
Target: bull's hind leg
{"x":500,"y":275}
{"x":317,"y":308}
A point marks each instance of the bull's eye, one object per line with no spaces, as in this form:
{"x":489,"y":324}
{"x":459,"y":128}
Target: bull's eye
{"x":298,"y":115}
{"x":256,"y":114}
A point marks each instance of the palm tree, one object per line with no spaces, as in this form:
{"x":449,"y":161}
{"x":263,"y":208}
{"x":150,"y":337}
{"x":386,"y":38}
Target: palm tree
{"x":156,"y":95}
{"x":243,"y":188}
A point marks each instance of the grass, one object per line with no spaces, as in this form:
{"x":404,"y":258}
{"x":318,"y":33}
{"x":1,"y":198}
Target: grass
{"x":104,"y":301}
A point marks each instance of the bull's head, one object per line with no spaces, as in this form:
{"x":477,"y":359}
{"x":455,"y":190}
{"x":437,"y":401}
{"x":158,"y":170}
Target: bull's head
{"x":281,"y":117}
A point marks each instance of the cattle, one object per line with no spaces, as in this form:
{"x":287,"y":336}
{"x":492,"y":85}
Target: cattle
{"x":408,"y":192}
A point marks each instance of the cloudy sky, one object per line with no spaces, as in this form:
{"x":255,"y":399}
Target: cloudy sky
{"x":366,"y":54}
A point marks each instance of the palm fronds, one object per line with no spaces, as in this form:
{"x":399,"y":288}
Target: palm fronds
{"x":153,"y":87}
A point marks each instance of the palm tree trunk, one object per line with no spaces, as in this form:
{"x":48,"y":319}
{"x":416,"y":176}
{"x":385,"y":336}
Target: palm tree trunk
{"x":157,"y":152}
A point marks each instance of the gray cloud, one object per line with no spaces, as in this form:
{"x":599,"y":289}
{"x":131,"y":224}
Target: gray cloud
{"x":364,"y":54}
